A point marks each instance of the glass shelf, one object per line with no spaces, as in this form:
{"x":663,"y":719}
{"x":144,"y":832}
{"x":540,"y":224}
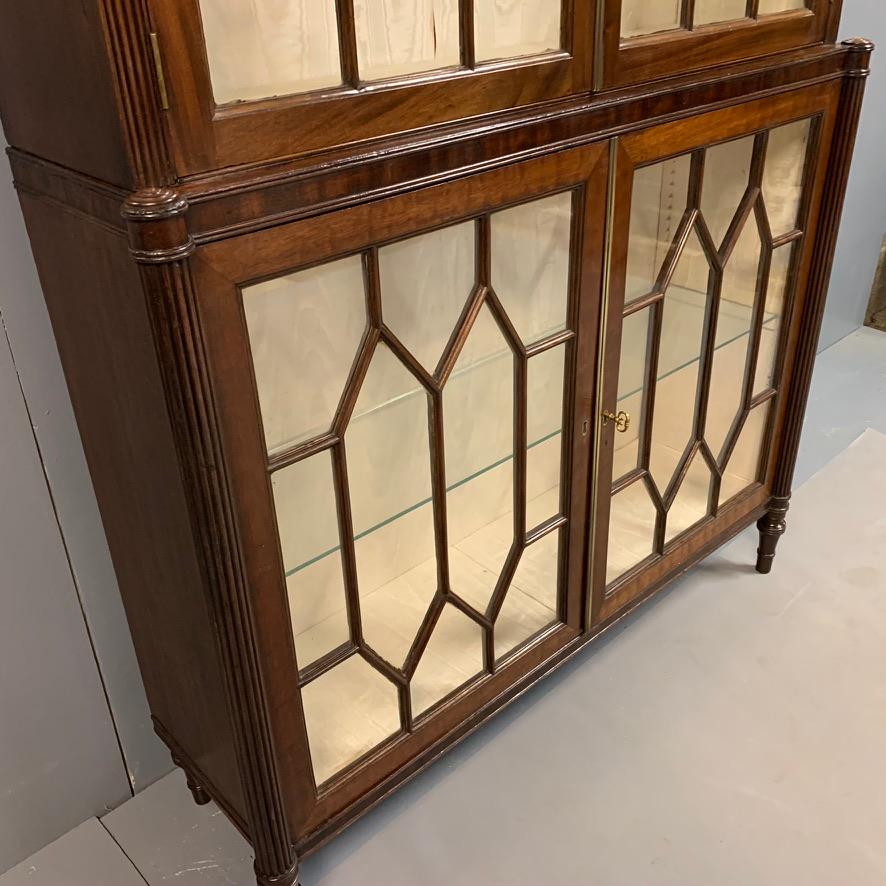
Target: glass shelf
{"x":680,"y":328}
{"x":389,"y":479}
{"x":683,"y":325}
{"x":677,"y":378}
{"x":496,"y":364}
{"x":414,"y":390}
{"x":427,"y":501}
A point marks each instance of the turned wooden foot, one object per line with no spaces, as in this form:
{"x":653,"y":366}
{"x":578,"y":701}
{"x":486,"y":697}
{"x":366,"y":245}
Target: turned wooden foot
{"x":290,"y":878}
{"x":772,"y":526}
{"x":198,"y":792}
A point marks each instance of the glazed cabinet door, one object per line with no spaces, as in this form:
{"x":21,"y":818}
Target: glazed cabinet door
{"x":405,"y":388}
{"x":252,"y":81}
{"x":713,"y":224}
{"x":650,"y":39}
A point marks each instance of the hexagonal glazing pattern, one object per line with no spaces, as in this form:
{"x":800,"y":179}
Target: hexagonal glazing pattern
{"x":421,"y":524}
{"x":714,"y":237}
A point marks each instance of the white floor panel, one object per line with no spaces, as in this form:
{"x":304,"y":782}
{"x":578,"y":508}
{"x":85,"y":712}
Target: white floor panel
{"x":85,"y":856}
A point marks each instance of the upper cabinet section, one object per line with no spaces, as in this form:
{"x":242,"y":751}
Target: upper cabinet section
{"x":650,"y":39}
{"x":640,"y":17}
{"x":247,"y":81}
{"x":271,"y":48}
{"x":250,"y":81}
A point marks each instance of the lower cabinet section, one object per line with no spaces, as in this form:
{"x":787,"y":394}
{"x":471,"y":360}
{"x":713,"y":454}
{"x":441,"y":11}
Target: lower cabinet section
{"x":468,"y":426}
{"x":405,"y":391}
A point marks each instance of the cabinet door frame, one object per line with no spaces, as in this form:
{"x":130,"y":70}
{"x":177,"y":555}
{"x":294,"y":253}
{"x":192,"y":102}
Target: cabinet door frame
{"x":206,"y":137}
{"x":644,"y":148}
{"x":220,"y":271}
{"x":626,"y":62}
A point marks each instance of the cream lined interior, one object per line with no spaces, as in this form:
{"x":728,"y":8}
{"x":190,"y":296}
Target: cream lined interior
{"x":640,"y":17}
{"x":643,"y":17}
{"x":513,"y":28}
{"x":658,"y":206}
{"x":305,"y":330}
{"x":708,"y":12}
{"x":768,"y":7}
{"x":396,"y":37}
{"x":267,"y":48}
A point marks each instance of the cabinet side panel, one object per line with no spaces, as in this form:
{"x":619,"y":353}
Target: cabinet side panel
{"x":93,"y":291}
{"x":56,"y":91}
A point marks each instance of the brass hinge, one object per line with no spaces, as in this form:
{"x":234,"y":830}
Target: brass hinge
{"x":161,"y":77}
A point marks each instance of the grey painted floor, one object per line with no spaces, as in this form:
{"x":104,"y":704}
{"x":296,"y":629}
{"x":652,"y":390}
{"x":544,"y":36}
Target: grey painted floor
{"x":731,"y":734}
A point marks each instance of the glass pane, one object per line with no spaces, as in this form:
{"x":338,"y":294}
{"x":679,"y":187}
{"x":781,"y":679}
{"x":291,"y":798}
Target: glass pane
{"x":531,"y":603}
{"x":304,"y":331}
{"x":453,"y":656}
{"x":767,"y":7}
{"x":390,"y":486}
{"x":632,"y":370}
{"x":691,"y":504}
{"x":544,"y":435}
{"x":397,"y":37}
{"x":348,"y":711}
{"x":511,"y":28}
{"x":649,"y":16}
{"x":631,"y":530}
{"x":270,"y":47}
{"x":658,"y":202}
{"x":530,"y":264}
{"x":478,"y":421}
{"x":744,"y":463}
{"x":425,"y":282}
{"x":683,"y":322}
{"x":709,"y":11}
{"x":783,"y":175}
{"x":726,"y":174}
{"x":737,"y":298}
{"x":304,"y":497}
{"x":772,"y":319}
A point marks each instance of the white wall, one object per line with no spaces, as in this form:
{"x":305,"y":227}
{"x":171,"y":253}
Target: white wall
{"x":59,"y":758}
{"x":864,"y":218}
{"x":75,"y":739}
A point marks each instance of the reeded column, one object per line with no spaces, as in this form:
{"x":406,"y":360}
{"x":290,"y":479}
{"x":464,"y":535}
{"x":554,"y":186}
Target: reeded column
{"x":773,"y":524}
{"x":161,"y":243}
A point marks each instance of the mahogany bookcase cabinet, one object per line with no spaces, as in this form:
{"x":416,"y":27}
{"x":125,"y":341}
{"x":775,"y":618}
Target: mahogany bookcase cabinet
{"x":412,"y":345}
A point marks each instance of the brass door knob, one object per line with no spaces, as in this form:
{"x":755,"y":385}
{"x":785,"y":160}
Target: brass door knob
{"x":622,"y":420}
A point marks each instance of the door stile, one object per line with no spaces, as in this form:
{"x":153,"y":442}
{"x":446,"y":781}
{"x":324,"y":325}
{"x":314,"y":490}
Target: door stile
{"x":612,"y":592}
{"x":615,"y":248}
